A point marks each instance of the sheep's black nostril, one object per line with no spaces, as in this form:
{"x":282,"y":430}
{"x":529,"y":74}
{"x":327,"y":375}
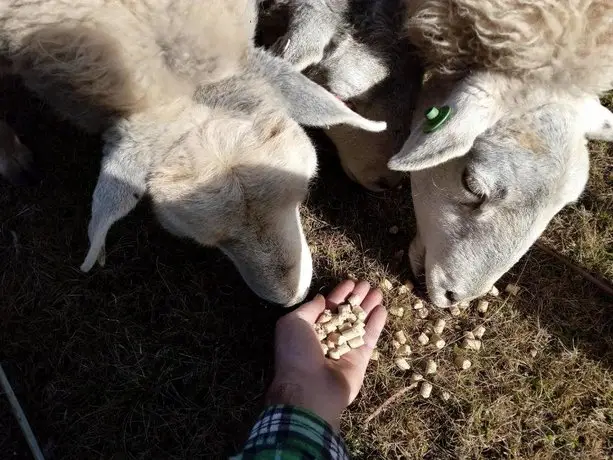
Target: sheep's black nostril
{"x":451,"y":296}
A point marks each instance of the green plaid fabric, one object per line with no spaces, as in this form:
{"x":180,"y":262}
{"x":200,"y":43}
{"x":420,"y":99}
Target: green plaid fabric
{"x":288,"y":433}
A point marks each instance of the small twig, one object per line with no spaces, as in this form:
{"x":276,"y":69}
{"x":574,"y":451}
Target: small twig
{"x":601,"y":283}
{"x":20,"y":416}
{"x":386,"y":403}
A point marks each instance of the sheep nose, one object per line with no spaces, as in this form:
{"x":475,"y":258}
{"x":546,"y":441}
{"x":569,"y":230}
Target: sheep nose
{"x":451,"y":296}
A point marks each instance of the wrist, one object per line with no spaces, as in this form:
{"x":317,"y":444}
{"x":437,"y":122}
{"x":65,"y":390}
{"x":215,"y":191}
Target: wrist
{"x":293,"y":394}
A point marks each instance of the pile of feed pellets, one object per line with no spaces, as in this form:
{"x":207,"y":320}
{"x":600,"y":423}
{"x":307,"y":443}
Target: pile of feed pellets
{"x":340,"y":332}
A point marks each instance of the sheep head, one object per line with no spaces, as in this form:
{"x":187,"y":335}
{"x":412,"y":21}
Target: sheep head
{"x":228,"y":169}
{"x":487,"y":183}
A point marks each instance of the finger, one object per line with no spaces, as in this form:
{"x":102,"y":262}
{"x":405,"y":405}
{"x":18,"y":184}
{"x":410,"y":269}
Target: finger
{"x":374,"y":326}
{"x":372,"y":299}
{"x":360,"y":291}
{"x":311,"y":310}
{"x":339,"y":293}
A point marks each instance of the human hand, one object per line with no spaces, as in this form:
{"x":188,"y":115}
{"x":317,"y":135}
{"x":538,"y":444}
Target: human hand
{"x":304,"y":377}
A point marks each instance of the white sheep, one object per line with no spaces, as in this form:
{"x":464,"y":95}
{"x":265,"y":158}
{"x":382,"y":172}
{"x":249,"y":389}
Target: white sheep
{"x":192,"y":114}
{"x":522,"y":80}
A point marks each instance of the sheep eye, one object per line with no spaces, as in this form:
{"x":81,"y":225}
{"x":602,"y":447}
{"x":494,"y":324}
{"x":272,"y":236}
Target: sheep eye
{"x":472,"y":187}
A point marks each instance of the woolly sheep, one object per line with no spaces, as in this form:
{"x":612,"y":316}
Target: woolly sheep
{"x":191,"y":114}
{"x":522,"y":80}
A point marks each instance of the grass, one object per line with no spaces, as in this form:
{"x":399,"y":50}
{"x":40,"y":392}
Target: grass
{"x":165,"y":353}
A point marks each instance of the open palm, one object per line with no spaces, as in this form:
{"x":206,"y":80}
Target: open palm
{"x":303,"y":376}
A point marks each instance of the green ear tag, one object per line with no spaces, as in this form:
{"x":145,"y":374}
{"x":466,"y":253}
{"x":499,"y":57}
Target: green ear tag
{"x":435,"y":117}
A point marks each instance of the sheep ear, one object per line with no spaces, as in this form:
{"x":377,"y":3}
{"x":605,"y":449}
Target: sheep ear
{"x":309,"y":32}
{"x":472,"y":110}
{"x":307,"y":103}
{"x":598,"y":120}
{"x":121,"y":185}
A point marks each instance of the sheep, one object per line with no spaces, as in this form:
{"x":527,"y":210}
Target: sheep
{"x":192,"y":114}
{"x":353,"y":49}
{"x":522,"y":80}
{"x":511,"y":89}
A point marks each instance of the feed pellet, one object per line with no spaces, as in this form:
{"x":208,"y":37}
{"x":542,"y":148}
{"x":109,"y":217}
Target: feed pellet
{"x":342,"y":331}
{"x":482,"y":306}
{"x":472,"y":344}
{"x":423,"y":338}
{"x":462,"y":363}
{"x":400,"y":337}
{"x":406,"y":288}
{"x":402,"y":364}
{"x":359,"y":313}
{"x":387,"y":284}
{"x":454,"y":311}
{"x":512,"y":289}
{"x":426,"y":390}
{"x":354,"y":300}
{"x":437,"y":341}
{"x":469,"y":335}
{"x":339,"y":351}
{"x":404,"y":350}
{"x":478,"y":332}
{"x":439,"y":326}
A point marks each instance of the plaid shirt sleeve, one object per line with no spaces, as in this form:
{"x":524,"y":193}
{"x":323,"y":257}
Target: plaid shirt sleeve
{"x":285,"y":432}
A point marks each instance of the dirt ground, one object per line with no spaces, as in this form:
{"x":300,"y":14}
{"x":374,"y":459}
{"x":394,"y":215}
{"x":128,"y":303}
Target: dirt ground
{"x":165,"y":353}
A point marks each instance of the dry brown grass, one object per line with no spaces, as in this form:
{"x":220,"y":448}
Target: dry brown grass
{"x":165,"y":353}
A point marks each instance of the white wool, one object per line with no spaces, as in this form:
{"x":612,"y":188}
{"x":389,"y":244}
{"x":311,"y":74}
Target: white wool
{"x":569,"y":42}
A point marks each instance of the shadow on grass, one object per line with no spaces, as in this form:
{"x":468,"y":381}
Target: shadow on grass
{"x":364,"y":217}
{"x":165,"y":352}
{"x":576,"y":313}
